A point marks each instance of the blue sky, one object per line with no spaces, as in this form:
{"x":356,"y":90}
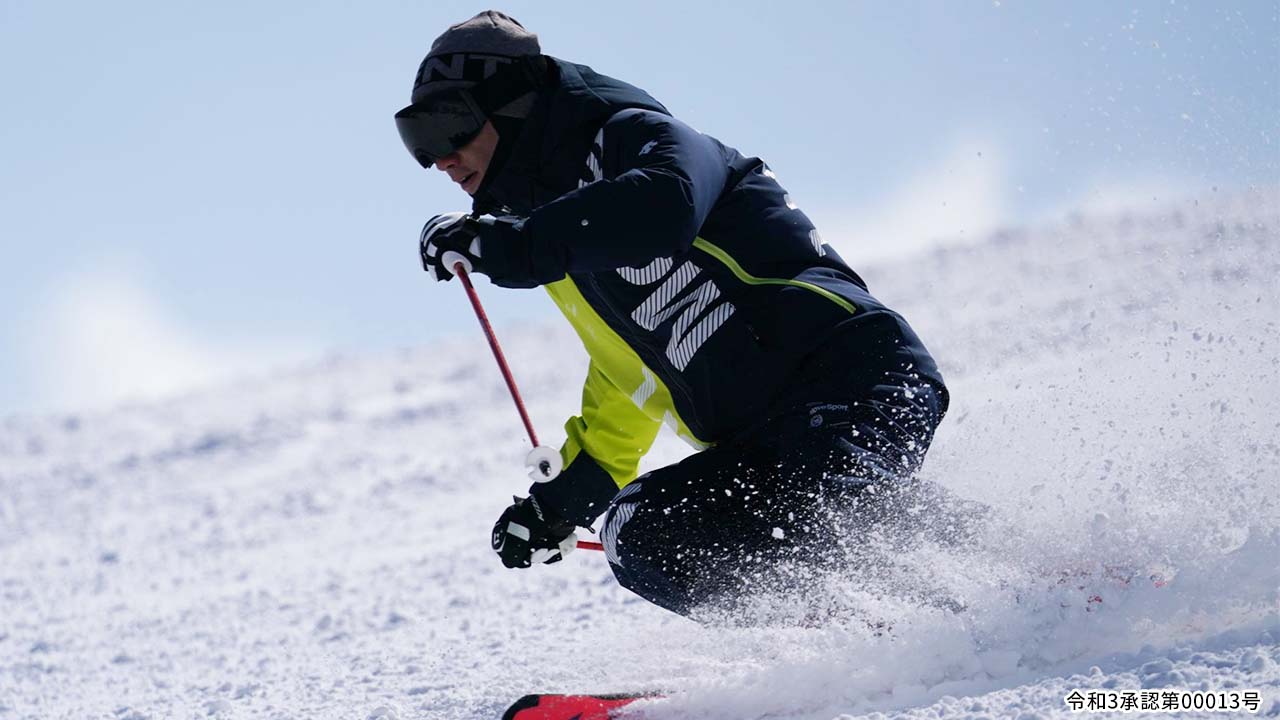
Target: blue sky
{"x":189,"y":190}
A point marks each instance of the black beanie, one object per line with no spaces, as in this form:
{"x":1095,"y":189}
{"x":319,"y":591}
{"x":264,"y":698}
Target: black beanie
{"x":471,"y":51}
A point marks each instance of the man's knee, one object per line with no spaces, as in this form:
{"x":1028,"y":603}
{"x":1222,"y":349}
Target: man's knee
{"x":644,"y":554}
{"x":621,"y":510}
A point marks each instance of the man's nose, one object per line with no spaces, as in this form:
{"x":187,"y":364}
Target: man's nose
{"x":447,"y":161}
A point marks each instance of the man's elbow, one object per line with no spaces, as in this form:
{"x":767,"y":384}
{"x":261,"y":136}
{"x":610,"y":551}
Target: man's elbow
{"x":673,"y":217}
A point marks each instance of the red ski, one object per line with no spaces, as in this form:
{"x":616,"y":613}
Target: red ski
{"x":570,"y":707}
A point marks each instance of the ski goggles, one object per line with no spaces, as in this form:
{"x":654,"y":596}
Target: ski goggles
{"x":446,"y":120}
{"x":440,"y":124}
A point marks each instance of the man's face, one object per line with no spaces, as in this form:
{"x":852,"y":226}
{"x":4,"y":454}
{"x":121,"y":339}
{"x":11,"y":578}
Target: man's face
{"x":467,"y":165}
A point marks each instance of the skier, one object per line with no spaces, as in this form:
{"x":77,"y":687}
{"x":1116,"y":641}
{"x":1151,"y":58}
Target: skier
{"x":705,"y":299}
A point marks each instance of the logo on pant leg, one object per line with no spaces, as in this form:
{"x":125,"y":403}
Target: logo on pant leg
{"x":619,"y":513}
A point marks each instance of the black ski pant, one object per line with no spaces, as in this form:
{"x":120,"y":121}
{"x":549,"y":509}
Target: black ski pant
{"x":700,"y":532}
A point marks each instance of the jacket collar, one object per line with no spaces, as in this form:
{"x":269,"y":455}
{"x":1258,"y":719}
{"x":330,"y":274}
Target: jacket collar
{"x":549,"y":153}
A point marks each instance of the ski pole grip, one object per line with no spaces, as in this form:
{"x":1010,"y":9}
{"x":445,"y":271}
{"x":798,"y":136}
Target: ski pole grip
{"x":452,"y":259}
{"x":543,"y":463}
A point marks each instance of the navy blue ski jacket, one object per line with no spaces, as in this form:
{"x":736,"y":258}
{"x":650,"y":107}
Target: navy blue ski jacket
{"x":697,"y":286}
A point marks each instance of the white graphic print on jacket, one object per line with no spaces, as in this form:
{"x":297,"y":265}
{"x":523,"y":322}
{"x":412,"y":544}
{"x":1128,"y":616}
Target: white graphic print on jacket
{"x":697,"y":293}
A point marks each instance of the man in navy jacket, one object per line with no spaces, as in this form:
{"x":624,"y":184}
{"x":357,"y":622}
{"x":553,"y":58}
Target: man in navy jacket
{"x":706,"y":300}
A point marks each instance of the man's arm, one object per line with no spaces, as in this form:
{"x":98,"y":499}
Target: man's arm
{"x":669,"y":176}
{"x":602,"y":452}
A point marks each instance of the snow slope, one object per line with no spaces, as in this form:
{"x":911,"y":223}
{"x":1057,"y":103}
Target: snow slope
{"x":314,"y":544}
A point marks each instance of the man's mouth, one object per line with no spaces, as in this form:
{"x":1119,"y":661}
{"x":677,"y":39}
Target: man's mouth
{"x":466,"y":181}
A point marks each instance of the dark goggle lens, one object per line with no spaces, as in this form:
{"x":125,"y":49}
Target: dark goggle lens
{"x":439,"y":125}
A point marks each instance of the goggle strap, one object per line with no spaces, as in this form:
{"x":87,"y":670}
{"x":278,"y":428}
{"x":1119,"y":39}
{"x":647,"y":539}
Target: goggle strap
{"x":510,"y":82}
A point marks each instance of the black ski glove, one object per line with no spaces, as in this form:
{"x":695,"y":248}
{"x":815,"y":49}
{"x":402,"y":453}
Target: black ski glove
{"x":463,"y":234}
{"x":456,"y":232}
{"x":526,"y":534}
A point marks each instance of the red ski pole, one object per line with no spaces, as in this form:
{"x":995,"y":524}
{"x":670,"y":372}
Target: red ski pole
{"x":542,"y":462}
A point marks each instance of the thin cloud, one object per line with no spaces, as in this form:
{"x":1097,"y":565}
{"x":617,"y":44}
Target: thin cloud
{"x":1145,"y":194}
{"x":963,"y":196}
{"x":103,"y":339}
